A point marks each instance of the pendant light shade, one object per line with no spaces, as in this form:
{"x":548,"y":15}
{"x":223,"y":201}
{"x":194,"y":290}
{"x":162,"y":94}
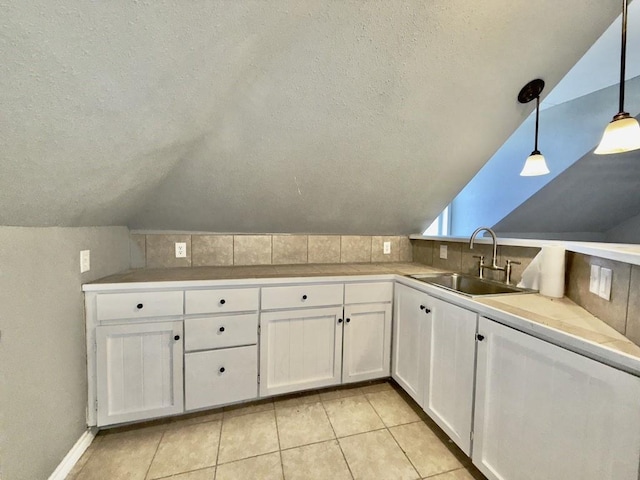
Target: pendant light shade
{"x":535,"y":164}
{"x":623,"y":132}
{"x":621,"y":135}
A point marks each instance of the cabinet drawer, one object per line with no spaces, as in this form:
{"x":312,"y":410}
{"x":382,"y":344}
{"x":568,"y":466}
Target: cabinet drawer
{"x":220,"y":332}
{"x":378,"y":292}
{"x":221,"y":300}
{"x":302,"y":296}
{"x":219,"y":377}
{"x":111,"y":306}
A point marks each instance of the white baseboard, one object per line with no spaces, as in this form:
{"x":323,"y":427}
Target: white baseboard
{"x":71,"y":458}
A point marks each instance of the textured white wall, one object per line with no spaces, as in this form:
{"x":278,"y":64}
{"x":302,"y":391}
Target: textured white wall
{"x":267,"y":116}
{"x":43,"y":375}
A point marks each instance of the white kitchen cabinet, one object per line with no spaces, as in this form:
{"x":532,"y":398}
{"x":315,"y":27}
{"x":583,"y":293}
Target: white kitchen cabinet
{"x":300,"y":349}
{"x":139,"y":371}
{"x":434,"y":359}
{"x":367,"y":342}
{"x":450,"y":367}
{"x":409,"y":340}
{"x":543,"y":412}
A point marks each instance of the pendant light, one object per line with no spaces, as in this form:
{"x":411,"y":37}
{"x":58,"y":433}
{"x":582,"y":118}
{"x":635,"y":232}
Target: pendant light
{"x":623,"y":132}
{"x":535,"y":164}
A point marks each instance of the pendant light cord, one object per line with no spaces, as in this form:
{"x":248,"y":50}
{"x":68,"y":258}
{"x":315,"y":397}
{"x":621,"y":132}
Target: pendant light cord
{"x":537,"y":121}
{"x":623,"y":53}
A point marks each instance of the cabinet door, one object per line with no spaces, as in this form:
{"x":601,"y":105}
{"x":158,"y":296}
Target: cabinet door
{"x":139,"y":371}
{"x":450,"y":359}
{"x":545,"y":412}
{"x":409,"y":330}
{"x":300,"y":349}
{"x":367,"y":342}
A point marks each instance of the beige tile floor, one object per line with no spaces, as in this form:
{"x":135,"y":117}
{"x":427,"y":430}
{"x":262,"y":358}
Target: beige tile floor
{"x":370,"y":432}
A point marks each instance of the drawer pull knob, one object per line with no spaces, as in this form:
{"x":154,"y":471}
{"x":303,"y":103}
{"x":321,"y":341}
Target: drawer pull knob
{"x":221,"y":370}
{"x":304,"y":297}
{"x":339,"y":320}
{"x":421,"y":307}
{"x":480,"y":337}
{"x":221,"y":329}
{"x":223,"y":301}
{"x":139,"y":306}
{"x":427,"y":310}
{"x":177,"y":337}
{"x":348,"y":320}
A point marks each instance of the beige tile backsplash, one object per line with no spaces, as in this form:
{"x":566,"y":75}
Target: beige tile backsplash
{"x":158,"y":251}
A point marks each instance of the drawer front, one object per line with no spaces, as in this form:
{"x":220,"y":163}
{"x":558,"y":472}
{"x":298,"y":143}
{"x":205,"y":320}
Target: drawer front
{"x":219,"y":377}
{"x":378,"y":292}
{"x":300,"y":296}
{"x":221,"y":300}
{"x":112,"y":306}
{"x":220,"y":332}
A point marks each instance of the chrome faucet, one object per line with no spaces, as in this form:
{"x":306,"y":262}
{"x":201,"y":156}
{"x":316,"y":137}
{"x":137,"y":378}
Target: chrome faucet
{"x":494,"y":265}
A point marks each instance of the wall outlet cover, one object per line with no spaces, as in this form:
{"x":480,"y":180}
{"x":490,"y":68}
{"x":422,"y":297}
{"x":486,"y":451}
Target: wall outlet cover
{"x":605,"y":283}
{"x":181,"y":250}
{"x":594,"y":279}
{"x":85,"y":261}
{"x":443,"y":252}
{"x":386,"y":248}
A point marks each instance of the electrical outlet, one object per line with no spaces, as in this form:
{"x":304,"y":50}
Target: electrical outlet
{"x":443,"y":252}
{"x":85,"y":261}
{"x":594,"y":279}
{"x":605,"y":283}
{"x":181,"y":250}
{"x":386,"y":248}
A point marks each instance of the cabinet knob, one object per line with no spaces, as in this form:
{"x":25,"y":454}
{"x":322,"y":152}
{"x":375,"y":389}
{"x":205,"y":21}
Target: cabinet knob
{"x":427,"y":311}
{"x":480,"y":337}
{"x":348,"y":320}
{"x":221,"y":329}
{"x":139,"y":306}
{"x":222,"y":301}
{"x":339,"y":320}
{"x":177,"y":337}
{"x":304,"y":297}
{"x":421,"y":307}
{"x":221,"y":370}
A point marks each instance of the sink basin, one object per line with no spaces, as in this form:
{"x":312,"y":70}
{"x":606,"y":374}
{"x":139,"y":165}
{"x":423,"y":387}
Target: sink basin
{"x":468,"y":285}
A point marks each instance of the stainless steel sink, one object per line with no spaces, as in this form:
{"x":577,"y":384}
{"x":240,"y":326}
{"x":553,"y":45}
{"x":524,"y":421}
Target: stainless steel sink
{"x":468,"y":285}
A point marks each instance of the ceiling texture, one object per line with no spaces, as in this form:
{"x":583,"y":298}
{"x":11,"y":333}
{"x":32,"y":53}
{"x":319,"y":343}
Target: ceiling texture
{"x":362,"y":117}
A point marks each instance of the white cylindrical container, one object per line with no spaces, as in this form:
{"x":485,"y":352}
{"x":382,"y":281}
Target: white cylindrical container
{"x":552,"y":271}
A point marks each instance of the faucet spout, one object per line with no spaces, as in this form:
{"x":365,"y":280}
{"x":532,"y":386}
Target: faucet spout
{"x":494,"y":265}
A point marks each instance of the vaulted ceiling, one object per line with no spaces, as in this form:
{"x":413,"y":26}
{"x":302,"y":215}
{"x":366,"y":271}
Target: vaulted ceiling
{"x":267,"y":116}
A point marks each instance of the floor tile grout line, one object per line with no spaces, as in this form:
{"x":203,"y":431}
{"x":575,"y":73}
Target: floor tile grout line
{"x":146,"y":475}
{"x":337,"y":440}
{"x":275,"y":416}
{"x":435,"y":475}
{"x":215,"y":473}
{"x":403,"y":451}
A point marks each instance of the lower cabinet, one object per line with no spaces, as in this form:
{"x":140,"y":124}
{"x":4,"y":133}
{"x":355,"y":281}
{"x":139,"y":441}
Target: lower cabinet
{"x":434,"y":359}
{"x":366,"y":353}
{"x":300,"y":349}
{"x":450,"y":356}
{"x":139,"y":371}
{"x":219,"y":377}
{"x":221,"y":359}
{"x":543,"y":412}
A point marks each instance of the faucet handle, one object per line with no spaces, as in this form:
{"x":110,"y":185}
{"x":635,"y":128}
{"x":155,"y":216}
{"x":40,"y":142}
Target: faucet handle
{"x":481,"y":257}
{"x":513,"y":262}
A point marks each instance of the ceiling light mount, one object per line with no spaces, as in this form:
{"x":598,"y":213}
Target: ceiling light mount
{"x":535,"y":164}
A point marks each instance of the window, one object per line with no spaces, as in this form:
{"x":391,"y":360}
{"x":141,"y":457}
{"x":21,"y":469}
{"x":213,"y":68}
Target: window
{"x":441,"y":225}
